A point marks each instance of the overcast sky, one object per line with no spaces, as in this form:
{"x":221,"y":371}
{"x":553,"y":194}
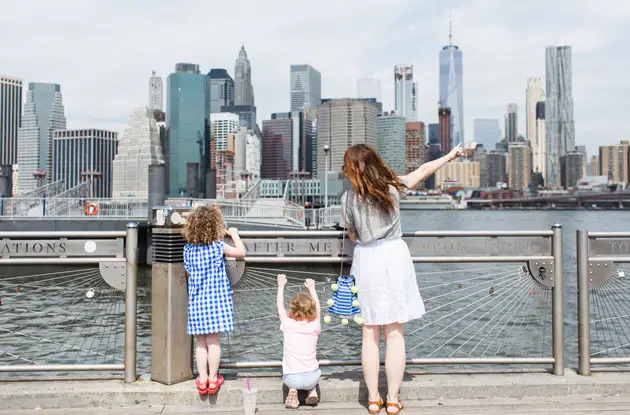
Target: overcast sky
{"x":102,"y":52}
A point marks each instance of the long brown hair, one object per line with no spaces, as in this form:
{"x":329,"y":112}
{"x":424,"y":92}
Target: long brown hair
{"x":371,"y":177}
{"x":204,"y":226}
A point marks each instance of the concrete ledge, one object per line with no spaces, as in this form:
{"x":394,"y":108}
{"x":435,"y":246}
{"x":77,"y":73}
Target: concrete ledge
{"x":335,"y":387}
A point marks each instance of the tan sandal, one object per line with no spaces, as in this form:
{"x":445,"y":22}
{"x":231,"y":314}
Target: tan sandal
{"x":292,"y":400}
{"x":398,"y":405}
{"x":312,"y":400}
{"x":378,"y":403}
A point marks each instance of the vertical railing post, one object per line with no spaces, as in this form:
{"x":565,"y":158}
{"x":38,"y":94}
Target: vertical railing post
{"x":584,"y":323}
{"x":130,"y":301}
{"x":557,"y":313}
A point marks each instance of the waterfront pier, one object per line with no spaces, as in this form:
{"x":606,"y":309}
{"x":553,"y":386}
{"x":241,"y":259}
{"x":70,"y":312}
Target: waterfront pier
{"x":83,"y":326}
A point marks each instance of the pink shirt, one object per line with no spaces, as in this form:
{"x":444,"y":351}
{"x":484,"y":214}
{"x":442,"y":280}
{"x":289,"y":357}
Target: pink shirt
{"x":300,"y":345}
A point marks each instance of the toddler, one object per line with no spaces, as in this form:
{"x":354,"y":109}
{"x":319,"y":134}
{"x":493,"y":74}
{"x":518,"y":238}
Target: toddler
{"x":301,"y":328}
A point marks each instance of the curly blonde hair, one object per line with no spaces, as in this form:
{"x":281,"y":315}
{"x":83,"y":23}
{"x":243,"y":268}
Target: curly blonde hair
{"x":303,"y":307}
{"x":204,"y":225}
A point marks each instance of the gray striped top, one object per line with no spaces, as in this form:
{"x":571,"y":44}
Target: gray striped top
{"x":366,"y":218}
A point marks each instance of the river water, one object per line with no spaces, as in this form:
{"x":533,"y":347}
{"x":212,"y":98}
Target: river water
{"x":474,"y":310}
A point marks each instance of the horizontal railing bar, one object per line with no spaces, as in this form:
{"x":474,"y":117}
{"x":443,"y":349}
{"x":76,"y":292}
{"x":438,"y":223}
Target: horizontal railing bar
{"x":602,"y":235}
{"x":610,"y":258}
{"x":428,"y":234}
{"x":54,"y":261}
{"x":61,"y":234}
{"x":428,"y":259}
{"x":609,"y":360}
{"x":62,"y":368}
{"x":419,"y":361}
{"x":543,"y":233}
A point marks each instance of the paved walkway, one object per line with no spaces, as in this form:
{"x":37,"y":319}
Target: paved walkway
{"x":342,"y":393}
{"x":529,"y":406}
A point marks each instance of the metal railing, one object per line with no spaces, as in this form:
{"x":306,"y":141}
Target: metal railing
{"x":257,"y":211}
{"x":490,"y":319}
{"x":325,"y":218}
{"x":46,"y":190}
{"x":116,"y":254}
{"x":603,"y":299}
{"x":77,"y":208}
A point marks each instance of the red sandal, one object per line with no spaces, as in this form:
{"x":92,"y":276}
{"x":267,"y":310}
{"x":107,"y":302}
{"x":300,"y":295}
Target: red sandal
{"x":213,"y":387}
{"x":203,"y":389}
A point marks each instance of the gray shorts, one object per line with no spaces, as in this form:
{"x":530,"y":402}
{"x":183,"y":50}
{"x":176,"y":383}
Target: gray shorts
{"x":302,"y":381}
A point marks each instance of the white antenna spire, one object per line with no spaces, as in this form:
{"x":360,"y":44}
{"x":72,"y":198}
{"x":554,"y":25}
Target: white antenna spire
{"x":450,"y":29}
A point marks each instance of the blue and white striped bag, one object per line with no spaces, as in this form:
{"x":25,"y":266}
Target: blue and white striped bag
{"x":344,"y":297}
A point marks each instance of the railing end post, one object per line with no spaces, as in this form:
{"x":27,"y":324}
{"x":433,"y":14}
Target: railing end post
{"x":557,"y":312}
{"x":584,"y":328}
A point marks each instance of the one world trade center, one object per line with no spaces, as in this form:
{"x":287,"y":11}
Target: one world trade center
{"x":451,"y":88}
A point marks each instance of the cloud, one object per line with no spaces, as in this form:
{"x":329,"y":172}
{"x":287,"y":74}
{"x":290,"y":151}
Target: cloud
{"x":102,"y":52}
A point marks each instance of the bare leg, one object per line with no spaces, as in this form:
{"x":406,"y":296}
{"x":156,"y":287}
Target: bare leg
{"x":394,"y":360}
{"x":201,"y":355}
{"x":213,"y":342}
{"x":370,"y":360}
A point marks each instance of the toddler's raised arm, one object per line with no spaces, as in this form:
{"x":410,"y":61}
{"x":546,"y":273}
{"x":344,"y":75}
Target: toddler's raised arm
{"x":282,"y":281}
{"x":310,"y":285}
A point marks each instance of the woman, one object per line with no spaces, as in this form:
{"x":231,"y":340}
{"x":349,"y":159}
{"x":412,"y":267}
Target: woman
{"x":382,"y":265}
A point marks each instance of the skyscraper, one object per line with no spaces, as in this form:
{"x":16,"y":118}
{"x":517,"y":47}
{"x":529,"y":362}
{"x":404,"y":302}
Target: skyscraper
{"x":451,"y":87}
{"x":459,"y":173}
{"x":286,"y":145}
{"x":156,"y":93}
{"x":369,"y":88}
{"x":10,"y":118}
{"x":573,"y":166}
{"x":592,"y":169}
{"x":186,"y":118}
{"x":342,"y":123}
{"x":253,"y":155}
{"x":391,"y":141}
{"x":497,"y":168}
{"x":415,"y":146}
{"x":511,"y":123}
{"x":533,"y":95}
{"x":444,"y":114}
{"x":138,"y":148}
{"x":306,"y":87}
{"x":539,"y":143}
{"x":487,"y":132}
{"x":558,"y":110}
{"x":85,"y":155}
{"x":519,"y":166}
{"x":480,"y":155}
{"x":246,"y":115}
{"x":220,"y":89}
{"x":405,"y":89}
{"x":614,"y":162}
{"x":43,"y":114}
{"x":222,"y":126}
{"x":243,"y":89}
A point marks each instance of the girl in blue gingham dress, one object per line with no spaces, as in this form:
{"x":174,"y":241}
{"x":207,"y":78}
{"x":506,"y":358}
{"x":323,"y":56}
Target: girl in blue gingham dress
{"x":210,"y":307}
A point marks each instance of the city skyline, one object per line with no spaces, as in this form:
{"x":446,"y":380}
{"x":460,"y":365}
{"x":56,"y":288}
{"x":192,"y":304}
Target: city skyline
{"x":106,"y":91}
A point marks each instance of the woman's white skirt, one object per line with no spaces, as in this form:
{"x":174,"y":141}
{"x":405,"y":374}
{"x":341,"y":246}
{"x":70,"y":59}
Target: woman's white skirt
{"x":386,"y":278}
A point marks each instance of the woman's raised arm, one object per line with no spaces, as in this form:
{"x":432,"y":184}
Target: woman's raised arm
{"x":427,"y":169}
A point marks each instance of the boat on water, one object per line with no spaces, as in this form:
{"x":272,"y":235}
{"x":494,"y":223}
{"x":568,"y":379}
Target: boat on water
{"x":431,"y":202}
